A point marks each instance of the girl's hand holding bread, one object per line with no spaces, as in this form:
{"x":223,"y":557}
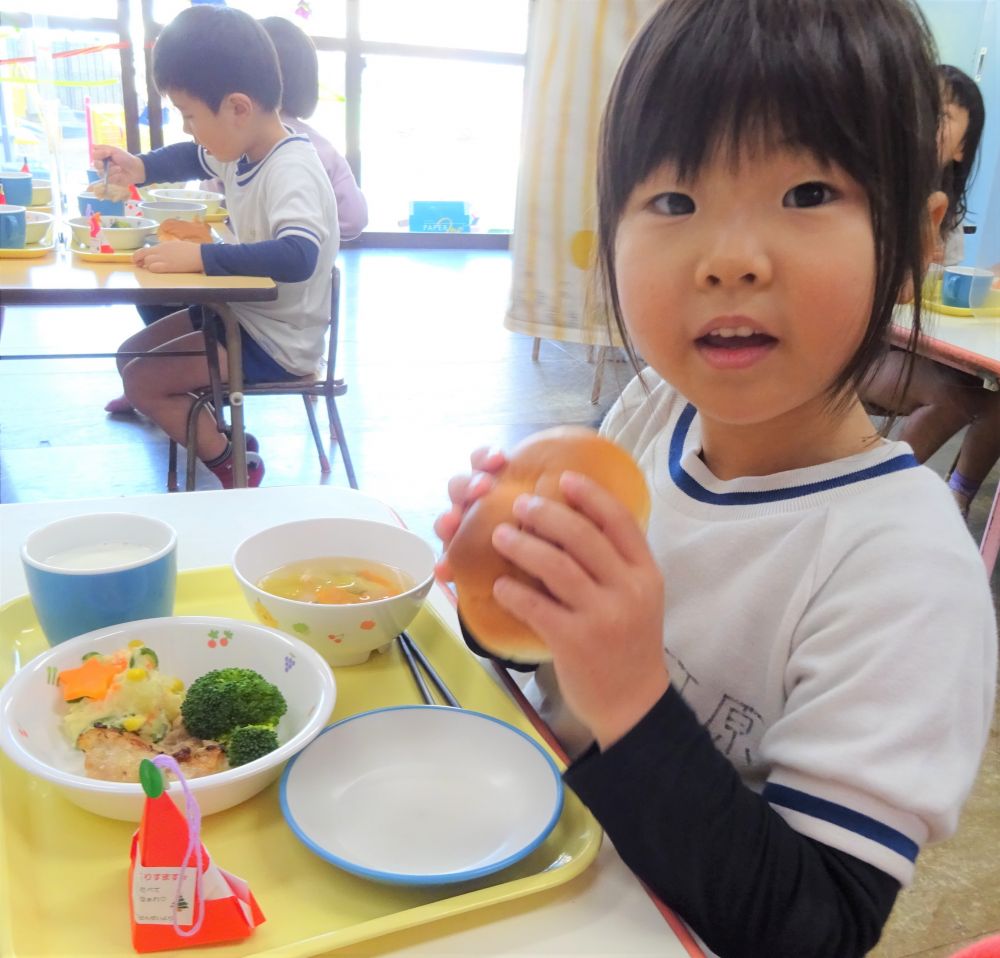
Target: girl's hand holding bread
{"x":550,"y":561}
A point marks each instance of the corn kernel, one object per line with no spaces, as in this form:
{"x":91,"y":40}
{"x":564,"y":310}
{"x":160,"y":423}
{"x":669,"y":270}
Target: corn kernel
{"x":136,"y":674}
{"x":133,"y":723}
{"x":177,"y":686}
{"x":135,"y":644}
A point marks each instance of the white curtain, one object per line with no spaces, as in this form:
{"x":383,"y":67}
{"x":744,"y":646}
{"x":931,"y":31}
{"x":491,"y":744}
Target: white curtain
{"x":574,"y":48}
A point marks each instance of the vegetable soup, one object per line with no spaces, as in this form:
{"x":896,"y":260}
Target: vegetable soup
{"x":335,"y":580}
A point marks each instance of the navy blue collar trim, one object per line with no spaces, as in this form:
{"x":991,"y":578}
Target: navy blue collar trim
{"x":694,"y":490}
{"x":244,"y":166}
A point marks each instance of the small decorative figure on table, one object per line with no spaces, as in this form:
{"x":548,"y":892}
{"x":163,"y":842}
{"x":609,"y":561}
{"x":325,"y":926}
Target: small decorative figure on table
{"x":179,"y":898}
{"x":133,"y":202}
{"x":24,"y":166}
{"x":97,"y":244}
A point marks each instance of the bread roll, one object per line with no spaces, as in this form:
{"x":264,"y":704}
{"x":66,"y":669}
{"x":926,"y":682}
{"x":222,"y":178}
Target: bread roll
{"x":191,"y":231}
{"x":534,"y":466}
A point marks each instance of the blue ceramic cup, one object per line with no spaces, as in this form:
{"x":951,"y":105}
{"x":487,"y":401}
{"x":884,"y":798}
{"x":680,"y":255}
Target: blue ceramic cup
{"x":13,"y":223}
{"x":965,"y":287}
{"x":17,"y":188}
{"x":88,"y":572}
{"x":105,"y":207}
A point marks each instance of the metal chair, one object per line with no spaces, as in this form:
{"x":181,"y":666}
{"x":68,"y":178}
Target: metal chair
{"x":328,"y":388}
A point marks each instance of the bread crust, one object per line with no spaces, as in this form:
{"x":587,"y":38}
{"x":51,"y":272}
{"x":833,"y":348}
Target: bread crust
{"x":534,"y":466}
{"x":189,"y":231}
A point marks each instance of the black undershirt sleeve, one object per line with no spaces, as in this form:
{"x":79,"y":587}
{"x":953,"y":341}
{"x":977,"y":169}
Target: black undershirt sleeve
{"x":716,"y":852}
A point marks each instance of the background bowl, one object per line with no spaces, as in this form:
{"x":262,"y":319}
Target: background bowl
{"x":487,"y":795}
{"x":120,"y":238}
{"x":104,"y":207}
{"x":41,"y":192}
{"x":144,"y":191}
{"x":342,"y":634}
{"x":161,"y":210}
{"x":37,"y":225}
{"x":31,"y":706}
{"x":212,"y":200}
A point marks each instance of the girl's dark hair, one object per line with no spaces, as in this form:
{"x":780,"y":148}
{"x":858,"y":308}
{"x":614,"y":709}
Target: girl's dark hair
{"x":210,"y":51}
{"x":299,"y":66}
{"x":851,"y":81}
{"x":961,"y":90}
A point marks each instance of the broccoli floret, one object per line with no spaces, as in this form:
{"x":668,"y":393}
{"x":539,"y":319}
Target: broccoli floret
{"x":220,"y":701}
{"x":249,"y":742}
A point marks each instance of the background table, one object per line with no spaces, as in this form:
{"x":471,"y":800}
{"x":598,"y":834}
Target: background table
{"x":973,"y":346}
{"x":603,"y":912}
{"x":62,"y":279}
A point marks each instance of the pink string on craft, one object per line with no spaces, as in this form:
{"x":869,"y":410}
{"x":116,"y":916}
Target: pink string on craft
{"x":193,"y":814}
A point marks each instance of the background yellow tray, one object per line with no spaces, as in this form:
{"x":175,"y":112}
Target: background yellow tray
{"x":32,"y":251}
{"x":89,"y":256}
{"x":63,"y":871}
{"x":939,"y":307}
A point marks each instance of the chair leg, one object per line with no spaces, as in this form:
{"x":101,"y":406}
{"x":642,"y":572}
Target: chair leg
{"x":602,"y":357}
{"x":337,"y":427}
{"x":192,"y":438}
{"x":324,"y":462}
{"x":535,"y":348}
{"x":172,"y":467}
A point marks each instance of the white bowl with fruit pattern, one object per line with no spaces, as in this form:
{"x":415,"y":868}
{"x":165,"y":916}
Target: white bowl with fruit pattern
{"x":31,"y":706}
{"x":342,"y":634}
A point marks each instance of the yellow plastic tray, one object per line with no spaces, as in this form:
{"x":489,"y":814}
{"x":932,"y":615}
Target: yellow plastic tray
{"x":63,"y":871}
{"x":89,"y":256}
{"x":31,"y":251}
{"x":979,"y":311}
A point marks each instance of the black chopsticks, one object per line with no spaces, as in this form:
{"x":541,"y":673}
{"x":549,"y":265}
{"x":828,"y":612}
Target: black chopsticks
{"x":416,"y":660}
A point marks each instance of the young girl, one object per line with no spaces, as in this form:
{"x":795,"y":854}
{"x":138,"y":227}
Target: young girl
{"x":940,"y":401}
{"x":782,"y":691}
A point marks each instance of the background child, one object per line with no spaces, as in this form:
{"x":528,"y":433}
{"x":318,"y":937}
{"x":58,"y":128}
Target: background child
{"x":299,"y":66}
{"x":781,"y":691}
{"x":939,"y":400}
{"x":299,"y":97}
{"x":219,"y":68}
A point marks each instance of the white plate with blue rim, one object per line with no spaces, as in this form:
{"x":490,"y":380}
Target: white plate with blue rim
{"x":422,"y":795}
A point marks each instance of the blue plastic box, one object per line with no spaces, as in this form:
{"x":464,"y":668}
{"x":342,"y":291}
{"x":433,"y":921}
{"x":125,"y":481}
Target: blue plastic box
{"x":439,"y":216}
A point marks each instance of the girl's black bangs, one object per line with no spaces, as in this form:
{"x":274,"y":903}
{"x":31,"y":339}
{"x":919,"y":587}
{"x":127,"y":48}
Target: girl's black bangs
{"x":742,"y":83}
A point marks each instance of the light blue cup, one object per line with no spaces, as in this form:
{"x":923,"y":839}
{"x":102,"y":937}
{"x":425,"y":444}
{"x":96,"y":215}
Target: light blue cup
{"x":17,"y":188}
{"x":104,"y":207}
{"x":88,"y":572}
{"x":13,"y":224}
{"x":965,"y":287}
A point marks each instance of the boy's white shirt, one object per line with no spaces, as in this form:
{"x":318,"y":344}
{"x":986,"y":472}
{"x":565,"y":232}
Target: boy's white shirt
{"x":286,"y":194}
{"x":831,"y":627}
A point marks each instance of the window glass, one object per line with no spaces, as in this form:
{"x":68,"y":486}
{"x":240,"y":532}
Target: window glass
{"x":326,"y":17}
{"x":45,"y":99}
{"x":498,"y":25}
{"x":440,"y":130}
{"x":105,"y":9}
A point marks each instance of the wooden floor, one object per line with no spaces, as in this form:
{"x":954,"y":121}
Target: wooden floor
{"x":432,"y":374}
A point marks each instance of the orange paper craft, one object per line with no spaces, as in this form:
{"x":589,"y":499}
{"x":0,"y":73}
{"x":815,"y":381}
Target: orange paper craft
{"x":158,"y":851}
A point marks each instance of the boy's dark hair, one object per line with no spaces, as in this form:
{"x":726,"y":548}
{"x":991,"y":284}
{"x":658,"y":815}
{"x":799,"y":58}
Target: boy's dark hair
{"x":851,"y":81}
{"x":960,"y":89}
{"x":210,"y":51}
{"x":299,"y":66}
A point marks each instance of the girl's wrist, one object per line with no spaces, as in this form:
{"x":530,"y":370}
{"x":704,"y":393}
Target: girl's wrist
{"x":615,"y":725}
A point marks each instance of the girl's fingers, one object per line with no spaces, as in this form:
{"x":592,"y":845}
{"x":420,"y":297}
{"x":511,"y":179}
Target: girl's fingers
{"x":542,"y":613}
{"x":610,"y":515}
{"x":488,"y":459}
{"x":559,"y":570}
